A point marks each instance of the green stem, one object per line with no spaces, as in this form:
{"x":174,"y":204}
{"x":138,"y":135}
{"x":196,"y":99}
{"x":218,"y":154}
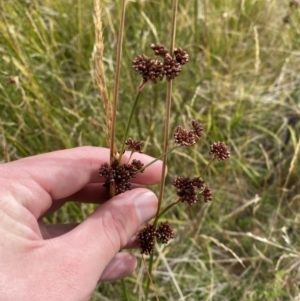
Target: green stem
{"x":159,"y":157}
{"x":206,"y":167}
{"x":166,"y":130}
{"x":149,"y":279}
{"x":124,"y":289}
{"x":168,"y":110}
{"x":130,"y":157}
{"x":165,"y":210}
{"x":136,"y":99}
{"x":117,"y":81}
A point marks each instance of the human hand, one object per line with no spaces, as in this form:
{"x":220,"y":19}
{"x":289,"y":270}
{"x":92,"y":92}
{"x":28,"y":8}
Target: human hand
{"x":65,"y":262}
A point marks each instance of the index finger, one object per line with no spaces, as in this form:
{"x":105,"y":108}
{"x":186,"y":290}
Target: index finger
{"x":59,"y":174}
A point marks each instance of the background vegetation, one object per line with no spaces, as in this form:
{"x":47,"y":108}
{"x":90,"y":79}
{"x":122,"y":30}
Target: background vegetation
{"x":242,"y":84}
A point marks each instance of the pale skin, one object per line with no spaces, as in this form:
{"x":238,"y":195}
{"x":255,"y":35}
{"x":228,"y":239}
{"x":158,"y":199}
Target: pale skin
{"x":66,"y":261}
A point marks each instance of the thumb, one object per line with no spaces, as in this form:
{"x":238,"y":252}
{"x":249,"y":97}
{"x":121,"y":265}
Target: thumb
{"x":110,"y":227}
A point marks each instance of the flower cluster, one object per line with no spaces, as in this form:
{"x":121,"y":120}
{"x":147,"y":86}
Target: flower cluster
{"x":181,"y":56}
{"x":220,"y":151}
{"x":189,"y":189}
{"x":134,"y":145}
{"x":146,"y":237}
{"x":171,"y":67}
{"x":164,"y":232}
{"x":159,"y":50}
{"x":197,"y":128}
{"x":151,"y":69}
{"x":119,"y":175}
{"x":188,"y":137}
{"x":206,"y":192}
{"x":184,"y":137}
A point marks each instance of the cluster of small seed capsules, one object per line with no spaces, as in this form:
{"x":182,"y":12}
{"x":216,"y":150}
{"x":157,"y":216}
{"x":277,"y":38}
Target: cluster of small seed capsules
{"x":188,"y":190}
{"x":151,"y":69}
{"x":185,"y":137}
{"x":119,"y":175}
{"x":146,"y":237}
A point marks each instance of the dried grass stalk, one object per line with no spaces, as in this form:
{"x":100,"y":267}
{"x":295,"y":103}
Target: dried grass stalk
{"x":98,"y":72}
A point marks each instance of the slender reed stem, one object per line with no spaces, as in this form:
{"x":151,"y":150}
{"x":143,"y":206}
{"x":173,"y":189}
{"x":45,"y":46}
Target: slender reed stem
{"x":153,"y":161}
{"x":168,"y":110}
{"x":166,"y":133}
{"x":117,"y":81}
{"x":206,"y":167}
{"x":165,"y":149}
{"x":166,"y":209}
{"x":149,"y":277}
{"x":136,"y":99}
{"x":149,"y":272}
{"x":130,"y":157}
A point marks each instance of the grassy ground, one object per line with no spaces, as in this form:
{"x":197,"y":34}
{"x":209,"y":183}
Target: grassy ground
{"x":242,"y":83}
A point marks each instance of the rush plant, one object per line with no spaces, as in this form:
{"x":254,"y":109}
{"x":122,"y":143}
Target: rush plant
{"x":167,"y":64}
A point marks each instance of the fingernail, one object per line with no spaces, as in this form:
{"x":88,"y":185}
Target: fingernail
{"x":146,"y":205}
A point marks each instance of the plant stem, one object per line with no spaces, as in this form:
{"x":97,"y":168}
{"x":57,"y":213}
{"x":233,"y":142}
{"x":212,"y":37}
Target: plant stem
{"x":117,"y":81}
{"x":130,"y":157}
{"x":99,"y":69}
{"x":206,"y":167}
{"x":149,"y":277}
{"x":159,"y":157}
{"x":136,"y":99}
{"x":165,"y":210}
{"x":168,"y":111}
{"x":166,"y":134}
